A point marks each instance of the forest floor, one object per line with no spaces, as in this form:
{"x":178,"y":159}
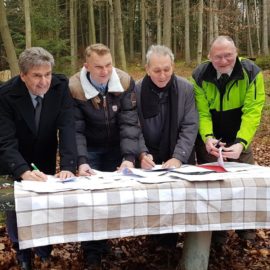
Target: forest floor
{"x":139,"y":253}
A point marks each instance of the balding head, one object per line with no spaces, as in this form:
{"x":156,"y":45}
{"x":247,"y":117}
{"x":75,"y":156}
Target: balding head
{"x":222,"y":54}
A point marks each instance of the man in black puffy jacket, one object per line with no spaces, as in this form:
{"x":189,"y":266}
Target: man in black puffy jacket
{"x":106,"y":122}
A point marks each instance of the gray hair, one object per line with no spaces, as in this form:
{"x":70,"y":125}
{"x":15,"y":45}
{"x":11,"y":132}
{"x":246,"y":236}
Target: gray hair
{"x":159,"y":50}
{"x":221,"y":39}
{"x":34,"y":56}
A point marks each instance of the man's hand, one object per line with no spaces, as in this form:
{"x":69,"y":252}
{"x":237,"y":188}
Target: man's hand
{"x":125,"y":164}
{"x":64,"y":174}
{"x":233,"y":152}
{"x":172,"y":163}
{"x":34,"y":175}
{"x":211,"y":146}
{"x":85,"y":170}
{"x":147,"y":161}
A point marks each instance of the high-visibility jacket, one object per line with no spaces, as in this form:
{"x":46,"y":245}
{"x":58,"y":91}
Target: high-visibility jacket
{"x":233,"y":113}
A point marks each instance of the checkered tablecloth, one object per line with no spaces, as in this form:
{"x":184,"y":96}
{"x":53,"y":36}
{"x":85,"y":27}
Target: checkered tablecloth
{"x":180,"y":206}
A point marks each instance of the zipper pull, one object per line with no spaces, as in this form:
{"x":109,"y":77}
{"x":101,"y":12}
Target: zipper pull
{"x":104,"y":102}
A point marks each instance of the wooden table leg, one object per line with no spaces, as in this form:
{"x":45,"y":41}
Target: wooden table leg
{"x":196,"y":251}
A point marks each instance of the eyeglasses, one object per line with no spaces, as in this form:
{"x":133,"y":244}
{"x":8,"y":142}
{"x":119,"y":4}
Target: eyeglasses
{"x":226,"y":56}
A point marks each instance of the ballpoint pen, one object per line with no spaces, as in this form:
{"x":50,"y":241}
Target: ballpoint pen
{"x":217,"y":145}
{"x":34,"y":167}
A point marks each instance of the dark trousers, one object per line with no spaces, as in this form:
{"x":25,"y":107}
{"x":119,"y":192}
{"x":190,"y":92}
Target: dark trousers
{"x":23,"y":255}
{"x":103,"y":159}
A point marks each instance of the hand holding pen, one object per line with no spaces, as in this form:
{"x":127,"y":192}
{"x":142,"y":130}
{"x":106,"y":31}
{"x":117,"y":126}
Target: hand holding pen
{"x":85,"y":170}
{"x":34,"y":175}
{"x":212,"y":146}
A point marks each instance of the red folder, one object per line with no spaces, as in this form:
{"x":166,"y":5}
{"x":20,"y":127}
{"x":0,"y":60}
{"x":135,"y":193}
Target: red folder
{"x":215,"y":168}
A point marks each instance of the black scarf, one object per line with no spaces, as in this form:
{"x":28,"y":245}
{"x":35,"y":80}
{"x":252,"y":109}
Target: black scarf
{"x":150,"y":108}
{"x":150,"y":96}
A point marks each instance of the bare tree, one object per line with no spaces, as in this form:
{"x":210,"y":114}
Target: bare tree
{"x":143,"y":31}
{"x":132,"y":5}
{"x":159,"y":22}
{"x":119,"y":35}
{"x":210,"y":34}
{"x":249,"y":41}
{"x":265,"y":29}
{"x":7,"y":40}
{"x":167,"y":22}
{"x":91,"y":22}
{"x":215,"y":8}
{"x":187,"y":29}
{"x":73,"y":35}
{"x":200,"y":32}
{"x":28,"y":34}
{"x":257,"y":23}
{"x":112,"y":32}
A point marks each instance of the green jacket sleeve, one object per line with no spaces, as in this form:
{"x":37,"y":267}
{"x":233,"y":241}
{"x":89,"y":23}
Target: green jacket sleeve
{"x":252,"y":109}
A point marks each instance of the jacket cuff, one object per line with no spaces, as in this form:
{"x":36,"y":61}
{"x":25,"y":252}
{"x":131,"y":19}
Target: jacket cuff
{"x":130,"y":158}
{"x":19,"y":171}
{"x":82,"y":160}
{"x":242,"y":141}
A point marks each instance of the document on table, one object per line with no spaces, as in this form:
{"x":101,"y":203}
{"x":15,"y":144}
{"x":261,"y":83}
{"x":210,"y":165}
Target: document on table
{"x":102,"y":180}
{"x":135,"y":177}
{"x":159,"y":175}
{"x":234,"y":170}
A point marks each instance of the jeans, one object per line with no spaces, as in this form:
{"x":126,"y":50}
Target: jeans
{"x":105,"y":159}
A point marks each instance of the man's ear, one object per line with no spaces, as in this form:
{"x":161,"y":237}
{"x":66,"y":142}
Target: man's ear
{"x":85,"y":65}
{"x":147,"y":69}
{"x":22,"y":76}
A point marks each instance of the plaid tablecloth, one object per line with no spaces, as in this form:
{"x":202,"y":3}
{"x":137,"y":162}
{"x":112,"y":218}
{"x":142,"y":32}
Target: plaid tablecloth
{"x":180,"y":206}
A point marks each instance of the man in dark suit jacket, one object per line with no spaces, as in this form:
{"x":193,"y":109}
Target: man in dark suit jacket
{"x":36,"y":117}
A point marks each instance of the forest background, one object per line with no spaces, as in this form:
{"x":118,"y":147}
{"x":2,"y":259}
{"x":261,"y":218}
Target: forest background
{"x":129,"y":27}
{"x":66,"y":27}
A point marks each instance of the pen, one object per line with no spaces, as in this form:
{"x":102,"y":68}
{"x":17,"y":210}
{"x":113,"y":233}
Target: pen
{"x":217,"y":144}
{"x":34,"y":167}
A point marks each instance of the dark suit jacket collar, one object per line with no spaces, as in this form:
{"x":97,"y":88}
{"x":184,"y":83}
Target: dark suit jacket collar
{"x":24,"y":103}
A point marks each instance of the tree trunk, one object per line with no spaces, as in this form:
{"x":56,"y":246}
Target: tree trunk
{"x":143,"y":31}
{"x":257,"y":23}
{"x":28,"y":37}
{"x":175,"y":13}
{"x":187,"y":29}
{"x":119,"y":35}
{"x":167,"y":23}
{"x":249,"y":41}
{"x":200,"y":32}
{"x":159,"y":22}
{"x":210,"y":35}
{"x":7,"y":40}
{"x":265,"y":29}
{"x":91,"y":22}
{"x":132,"y":5}
{"x":215,"y":7}
{"x":73,"y":35}
{"x":112,"y":32}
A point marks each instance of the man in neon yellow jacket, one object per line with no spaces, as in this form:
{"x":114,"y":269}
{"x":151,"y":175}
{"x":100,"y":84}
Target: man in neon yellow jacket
{"x":230,"y":95}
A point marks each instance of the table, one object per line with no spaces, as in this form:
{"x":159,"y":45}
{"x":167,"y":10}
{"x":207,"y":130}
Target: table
{"x":181,"y":206}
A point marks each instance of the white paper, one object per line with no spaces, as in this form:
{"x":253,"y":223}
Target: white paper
{"x":220,"y":158}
